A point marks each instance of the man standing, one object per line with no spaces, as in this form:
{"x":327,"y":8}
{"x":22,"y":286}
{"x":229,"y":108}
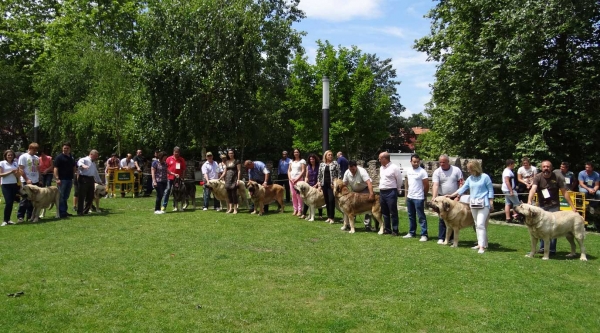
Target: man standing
{"x":418,"y":187}
{"x":508,"y":188}
{"x":64,"y":172}
{"x":390,"y":183}
{"x":547,"y":185}
{"x":127,"y":164}
{"x":210,"y":170}
{"x":568,"y":175}
{"x":139,"y":162}
{"x":258,"y":172}
{"x":282,"y":174}
{"x":343,"y":162}
{"x":446,"y":180}
{"x":589,"y":183}
{"x":359,"y":181}
{"x":88,"y":176}
{"x":29,"y":165}
{"x":175,"y":169}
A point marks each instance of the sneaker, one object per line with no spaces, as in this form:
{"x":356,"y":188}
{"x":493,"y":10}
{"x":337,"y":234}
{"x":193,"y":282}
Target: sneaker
{"x":20,"y":220}
{"x":395,"y":233}
{"x":440,"y":241}
{"x":174,"y":209}
{"x":218,"y":209}
{"x":157,"y":212}
{"x":481,"y":251}
{"x":162,"y":212}
{"x":10,"y":222}
{"x":423,"y":239}
{"x":475,"y":247}
{"x":4,"y":224}
{"x":408,"y":236}
{"x":204,"y":208}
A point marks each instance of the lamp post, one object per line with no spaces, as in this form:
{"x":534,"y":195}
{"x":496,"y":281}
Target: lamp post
{"x":325,"y":113}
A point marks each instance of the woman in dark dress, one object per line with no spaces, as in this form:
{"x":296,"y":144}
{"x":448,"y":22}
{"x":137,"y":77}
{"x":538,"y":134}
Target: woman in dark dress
{"x":329,"y":171}
{"x":232,"y":172}
{"x":312,"y":173}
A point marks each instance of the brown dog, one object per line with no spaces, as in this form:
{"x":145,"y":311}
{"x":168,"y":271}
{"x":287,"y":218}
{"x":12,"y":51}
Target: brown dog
{"x":352,"y":204}
{"x":456,"y":215}
{"x":262,"y":196}
{"x":41,"y":198}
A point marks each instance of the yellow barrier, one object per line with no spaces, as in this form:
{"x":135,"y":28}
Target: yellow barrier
{"x":126,"y":181}
{"x":577,"y":198}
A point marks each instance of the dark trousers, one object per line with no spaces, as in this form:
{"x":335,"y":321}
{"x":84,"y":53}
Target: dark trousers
{"x":206,"y":197}
{"x":160,"y":191}
{"x":389,"y":208}
{"x":232,"y":196}
{"x":65,"y":192}
{"x":285,"y":182}
{"x":25,"y":208}
{"x":442,"y":231}
{"x":86,"y":194}
{"x":329,"y":200}
{"x":9,"y":191}
{"x":47,"y":179}
{"x":305,"y":210}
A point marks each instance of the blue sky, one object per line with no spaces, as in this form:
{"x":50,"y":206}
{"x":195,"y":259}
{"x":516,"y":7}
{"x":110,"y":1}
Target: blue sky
{"x":387,"y":28}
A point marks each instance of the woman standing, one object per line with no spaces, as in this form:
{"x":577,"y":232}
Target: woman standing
{"x":9,"y":172}
{"x":222,"y":165}
{"x":312,"y":173}
{"x":159,"y":179}
{"x":296,"y":171}
{"x":233,"y":169}
{"x":329,"y":171}
{"x":481,"y":200}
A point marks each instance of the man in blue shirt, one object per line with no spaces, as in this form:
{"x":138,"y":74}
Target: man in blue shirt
{"x":343,"y":162}
{"x":258,"y":172}
{"x":282,"y":174}
{"x":589,"y":183}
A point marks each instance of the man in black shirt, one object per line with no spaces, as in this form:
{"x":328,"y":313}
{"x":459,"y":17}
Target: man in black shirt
{"x":139,"y":160}
{"x":64,"y":170}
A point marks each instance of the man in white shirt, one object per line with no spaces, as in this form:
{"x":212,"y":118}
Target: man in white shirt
{"x":525,"y":176}
{"x":88,"y":176}
{"x":508,"y":185}
{"x":210,"y":170}
{"x":418,"y":187}
{"x":390,"y":183}
{"x":359,"y":181}
{"x":446,"y":180}
{"x":30,"y":175}
{"x":127,"y":164}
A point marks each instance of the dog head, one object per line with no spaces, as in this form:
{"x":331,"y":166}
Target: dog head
{"x":29,"y":191}
{"x":301,"y":187}
{"x":339,"y":188}
{"x":253,"y":187}
{"x":213,"y":184}
{"x":526,"y":212}
{"x":440,"y":204}
{"x":99,"y":191}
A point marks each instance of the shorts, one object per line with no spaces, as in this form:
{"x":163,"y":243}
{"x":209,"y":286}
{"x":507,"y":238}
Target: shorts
{"x":511,"y":199}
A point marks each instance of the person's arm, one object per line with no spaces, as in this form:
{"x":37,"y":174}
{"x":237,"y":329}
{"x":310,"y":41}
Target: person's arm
{"x":490,"y":188}
{"x":434,"y":193}
{"x":461,"y":189}
{"x":266,"y":173}
{"x":370,"y":187}
{"x":289,"y":172}
{"x":596,"y":186}
{"x":508,"y":184}
{"x":425,"y":187}
{"x":153,"y":173}
{"x":532,"y":191}
{"x":137,"y":166}
{"x":520,"y":178}
{"x":302,"y":171}
{"x":239,"y":167}
{"x":568,"y":199}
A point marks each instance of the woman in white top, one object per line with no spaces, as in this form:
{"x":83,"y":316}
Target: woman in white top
{"x":9,"y":173}
{"x":296,"y":172}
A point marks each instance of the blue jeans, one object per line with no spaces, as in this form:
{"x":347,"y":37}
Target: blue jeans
{"x":442,"y":231}
{"x":592,"y":196}
{"x":65,"y":192}
{"x":388,"y":199}
{"x":9,"y":191}
{"x":47,"y":179}
{"x":418,"y":206}
{"x":553,"y":240}
{"x":165,"y":198}
{"x":216,"y":202}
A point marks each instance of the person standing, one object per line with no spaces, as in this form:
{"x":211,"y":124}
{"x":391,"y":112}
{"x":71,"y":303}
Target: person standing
{"x":139,"y":161}
{"x":159,"y":180}
{"x":210,"y":170}
{"x":175,"y":169}
{"x":282,"y":174}
{"x":342,"y":162}
{"x":64,"y":172}
{"x":547,"y":184}
{"x":231,"y":174}
{"x":296,"y":171}
{"x":88,"y":177}
{"x":9,"y":172}
{"x":511,"y":199}
{"x":46,"y":169}
{"x":446,"y":180}
{"x":29,"y":165}
{"x":358,"y":180}
{"x":112,"y":165}
{"x":418,"y":187}
{"x":329,"y":171}
{"x":127,"y":164}
{"x":258,"y":172}
{"x":312,"y":174}
{"x":481,"y":200}
{"x":390,"y":183}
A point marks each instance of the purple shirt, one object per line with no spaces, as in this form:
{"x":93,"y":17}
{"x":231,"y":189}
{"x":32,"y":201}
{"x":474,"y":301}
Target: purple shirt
{"x":160,"y":171}
{"x":312,"y":174}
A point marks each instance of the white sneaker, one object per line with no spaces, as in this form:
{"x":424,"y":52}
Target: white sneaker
{"x":408,"y":236}
{"x":204,"y":208}
{"x":3,"y":224}
{"x":157,"y":212}
{"x":475,"y":247}
{"x":481,"y":251}
{"x":174,"y":209}
{"x":162,"y":212}
{"x":440,"y":241}
{"x":218,"y":209}
{"x":423,"y":239}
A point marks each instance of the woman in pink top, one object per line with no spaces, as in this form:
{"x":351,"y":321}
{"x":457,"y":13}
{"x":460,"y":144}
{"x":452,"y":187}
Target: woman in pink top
{"x":46,"y":169}
{"x":296,"y":172}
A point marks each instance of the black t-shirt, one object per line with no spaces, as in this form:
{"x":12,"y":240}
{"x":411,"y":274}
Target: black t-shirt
{"x":141,"y":160}
{"x":64,"y":164}
{"x":553,"y":185}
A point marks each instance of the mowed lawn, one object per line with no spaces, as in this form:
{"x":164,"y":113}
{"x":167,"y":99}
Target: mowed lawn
{"x":128,"y":270}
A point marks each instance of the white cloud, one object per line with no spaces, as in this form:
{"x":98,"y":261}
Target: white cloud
{"x":341,"y":10}
{"x":392,"y":31}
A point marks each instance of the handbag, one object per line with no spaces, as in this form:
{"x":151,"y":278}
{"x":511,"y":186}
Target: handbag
{"x":476,"y":203}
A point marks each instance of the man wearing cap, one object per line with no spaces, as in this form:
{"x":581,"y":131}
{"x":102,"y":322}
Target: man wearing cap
{"x":210,"y":170}
{"x":282,"y":174}
{"x":358,"y":180}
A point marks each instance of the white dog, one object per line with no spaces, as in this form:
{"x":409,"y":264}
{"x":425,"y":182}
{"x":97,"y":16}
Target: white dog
{"x":311,"y":197}
{"x":220,"y":192}
{"x":41,"y":198}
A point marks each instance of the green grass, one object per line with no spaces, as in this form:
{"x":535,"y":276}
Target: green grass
{"x":130,"y":270}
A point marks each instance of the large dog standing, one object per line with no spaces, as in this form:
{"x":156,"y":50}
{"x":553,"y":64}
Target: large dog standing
{"x":311,"y":197}
{"x":262,"y":196}
{"x":41,"y":198}
{"x":99,"y":192}
{"x":545,"y":225}
{"x":353,"y":204}
{"x":457,"y":215}
{"x":183,"y":193}
{"x":220,"y":192}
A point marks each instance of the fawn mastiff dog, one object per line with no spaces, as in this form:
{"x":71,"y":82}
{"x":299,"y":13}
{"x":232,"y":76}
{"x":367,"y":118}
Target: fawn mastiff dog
{"x":220,"y":192}
{"x":311,"y":197}
{"x":99,"y":192}
{"x":262,"y":196}
{"x":41,"y":198}
{"x":545,"y":225}
{"x":456,"y":215}
{"x":352,"y":204}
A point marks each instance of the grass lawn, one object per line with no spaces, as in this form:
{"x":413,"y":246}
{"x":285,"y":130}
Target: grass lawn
{"x":127,"y":269}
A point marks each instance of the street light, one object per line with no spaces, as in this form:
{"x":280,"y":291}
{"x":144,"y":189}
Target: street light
{"x":325,"y":114}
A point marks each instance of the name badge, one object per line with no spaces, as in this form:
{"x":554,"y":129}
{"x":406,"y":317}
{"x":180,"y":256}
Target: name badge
{"x":177,"y":166}
{"x":568,"y":181}
{"x":546,"y":193}
{"x":590,"y":182}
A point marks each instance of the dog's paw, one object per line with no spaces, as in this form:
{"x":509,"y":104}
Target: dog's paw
{"x":583,"y":258}
{"x":450,"y":245}
{"x":351,"y":231}
{"x":380,"y":232}
{"x":545,"y":258}
{"x":311,"y":220}
{"x":344,"y":228}
{"x":254,"y":212}
{"x":570,"y":255}
{"x":528,"y":255}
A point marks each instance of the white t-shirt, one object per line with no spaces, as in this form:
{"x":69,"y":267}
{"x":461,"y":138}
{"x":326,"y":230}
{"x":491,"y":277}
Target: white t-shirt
{"x":130,"y":165}
{"x":9,"y":179}
{"x":296,"y":168}
{"x":447,"y":179}
{"x":415,"y":182}
{"x":527,"y":174}
{"x":508,"y":173}
{"x":211,"y":170}
{"x":31,"y":163}
{"x":358,"y":182}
